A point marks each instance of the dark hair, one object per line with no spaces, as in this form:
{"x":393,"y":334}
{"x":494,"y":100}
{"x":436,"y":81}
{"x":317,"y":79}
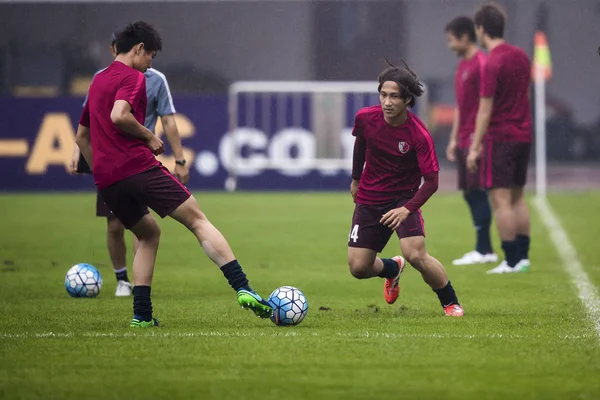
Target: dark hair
{"x":138,"y":32}
{"x":460,"y":26}
{"x":117,"y":32}
{"x":492,"y":19}
{"x":410,"y":86}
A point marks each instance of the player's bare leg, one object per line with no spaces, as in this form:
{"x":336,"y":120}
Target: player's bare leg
{"x":521,"y":211}
{"x":504,"y":213}
{"x":218,"y":250}
{"x":115,"y":241}
{"x":136,"y":244}
{"x":431,"y":269}
{"x":148,"y":233}
{"x":365,"y":264}
{"x":433,"y":273}
{"x":117,"y":250}
{"x":212,"y":241}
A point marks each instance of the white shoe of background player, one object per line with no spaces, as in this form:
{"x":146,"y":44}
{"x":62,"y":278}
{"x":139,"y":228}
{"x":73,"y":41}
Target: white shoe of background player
{"x":123,"y":289}
{"x":503,"y":268}
{"x":475,"y":257}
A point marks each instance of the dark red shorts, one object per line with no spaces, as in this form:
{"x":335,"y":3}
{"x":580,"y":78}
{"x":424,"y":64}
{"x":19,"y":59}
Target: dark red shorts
{"x":504,"y":164}
{"x":467,"y":180}
{"x":156,"y":188}
{"x":367,"y":232}
{"x":102,"y":209}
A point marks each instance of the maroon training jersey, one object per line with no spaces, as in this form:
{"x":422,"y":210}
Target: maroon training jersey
{"x":396,"y":156}
{"x":116,"y":155}
{"x":467,"y":87}
{"x":506,"y":79}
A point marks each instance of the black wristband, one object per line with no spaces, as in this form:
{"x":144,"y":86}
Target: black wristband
{"x":180,"y":162}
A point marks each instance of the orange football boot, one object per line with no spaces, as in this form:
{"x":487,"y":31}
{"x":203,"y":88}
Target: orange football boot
{"x":391,"y":286}
{"x":454,"y":310}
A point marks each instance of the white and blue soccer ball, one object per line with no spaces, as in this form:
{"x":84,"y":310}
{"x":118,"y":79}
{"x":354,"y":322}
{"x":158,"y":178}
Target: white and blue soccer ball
{"x":289,"y":306}
{"x":83,"y":280}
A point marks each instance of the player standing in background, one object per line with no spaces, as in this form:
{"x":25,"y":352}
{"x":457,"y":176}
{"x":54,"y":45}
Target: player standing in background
{"x":462,"y":40}
{"x":505,"y":115}
{"x":160,"y":103}
{"x":393,"y":152}
{"x":121,"y":153}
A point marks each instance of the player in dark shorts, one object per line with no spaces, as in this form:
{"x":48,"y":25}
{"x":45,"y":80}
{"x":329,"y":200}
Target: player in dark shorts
{"x":503,"y":136}
{"x":121,"y":153}
{"x":159,"y":103}
{"x":460,"y":33}
{"x":393,"y":153}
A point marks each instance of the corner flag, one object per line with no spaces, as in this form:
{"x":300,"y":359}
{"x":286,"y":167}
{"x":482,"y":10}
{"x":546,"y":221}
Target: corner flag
{"x":541,"y":56}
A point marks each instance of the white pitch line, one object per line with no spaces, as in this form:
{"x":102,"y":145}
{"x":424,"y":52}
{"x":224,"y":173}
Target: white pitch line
{"x":156,"y":333}
{"x":586,"y":290}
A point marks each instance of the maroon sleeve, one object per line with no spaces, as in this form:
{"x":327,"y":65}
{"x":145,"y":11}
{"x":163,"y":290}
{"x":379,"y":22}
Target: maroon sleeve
{"x":358,"y":129}
{"x":427,"y":189}
{"x":84,"y":120}
{"x":425,"y":150}
{"x":489,"y":81}
{"x":358,"y":157}
{"x":131,"y":89}
{"x":360,"y":147}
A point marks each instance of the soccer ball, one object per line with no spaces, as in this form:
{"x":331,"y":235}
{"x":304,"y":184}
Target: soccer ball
{"x":83,"y":280}
{"x":289,"y":306}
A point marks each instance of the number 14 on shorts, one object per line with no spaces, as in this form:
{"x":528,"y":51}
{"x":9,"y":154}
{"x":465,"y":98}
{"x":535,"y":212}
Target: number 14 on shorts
{"x":353,"y":234}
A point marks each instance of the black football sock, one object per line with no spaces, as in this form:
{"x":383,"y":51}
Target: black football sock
{"x":482,"y":218}
{"x":446,"y":295}
{"x":511,"y":252}
{"x":122,"y":274}
{"x":523,"y":242}
{"x":235,"y":276}
{"x":390,"y":268}
{"x":142,"y":305}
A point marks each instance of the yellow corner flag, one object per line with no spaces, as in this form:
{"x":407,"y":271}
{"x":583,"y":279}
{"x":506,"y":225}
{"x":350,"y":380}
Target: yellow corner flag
{"x":541,"y":56}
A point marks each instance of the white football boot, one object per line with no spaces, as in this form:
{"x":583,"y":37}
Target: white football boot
{"x":503,"y":268}
{"x":474,"y":257}
{"x":123,"y":289}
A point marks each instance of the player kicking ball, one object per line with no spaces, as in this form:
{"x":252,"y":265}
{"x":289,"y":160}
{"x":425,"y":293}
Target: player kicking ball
{"x":160,"y":103}
{"x":121,"y":154}
{"x":393,"y":153}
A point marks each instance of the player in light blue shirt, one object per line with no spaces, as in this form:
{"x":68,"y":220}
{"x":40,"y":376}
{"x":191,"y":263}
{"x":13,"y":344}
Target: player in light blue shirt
{"x":160,"y":104}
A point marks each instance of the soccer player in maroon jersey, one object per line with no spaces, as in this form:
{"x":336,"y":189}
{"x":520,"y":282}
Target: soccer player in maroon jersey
{"x":393,"y":153}
{"x":120,"y":152}
{"x":462,"y":40}
{"x":505,"y":115}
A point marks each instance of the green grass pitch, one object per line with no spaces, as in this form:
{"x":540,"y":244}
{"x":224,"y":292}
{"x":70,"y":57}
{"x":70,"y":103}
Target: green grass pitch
{"x":525,"y":336}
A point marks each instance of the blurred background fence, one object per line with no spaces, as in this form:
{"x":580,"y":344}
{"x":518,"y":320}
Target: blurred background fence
{"x":50,"y":50}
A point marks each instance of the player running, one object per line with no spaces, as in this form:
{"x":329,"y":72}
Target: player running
{"x":399,"y":153}
{"x":121,"y":153}
{"x":504,"y":114}
{"x":160,"y":103}
{"x":460,"y":33}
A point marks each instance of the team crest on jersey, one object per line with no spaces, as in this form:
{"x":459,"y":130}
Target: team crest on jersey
{"x":403,"y":147}
{"x":465,"y":75}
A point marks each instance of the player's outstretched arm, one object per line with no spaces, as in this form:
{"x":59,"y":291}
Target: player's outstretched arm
{"x":482,"y":122}
{"x":122,"y":117}
{"x":84,"y":142}
{"x":182,"y":172}
{"x":393,"y":218}
{"x":428,"y":188}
